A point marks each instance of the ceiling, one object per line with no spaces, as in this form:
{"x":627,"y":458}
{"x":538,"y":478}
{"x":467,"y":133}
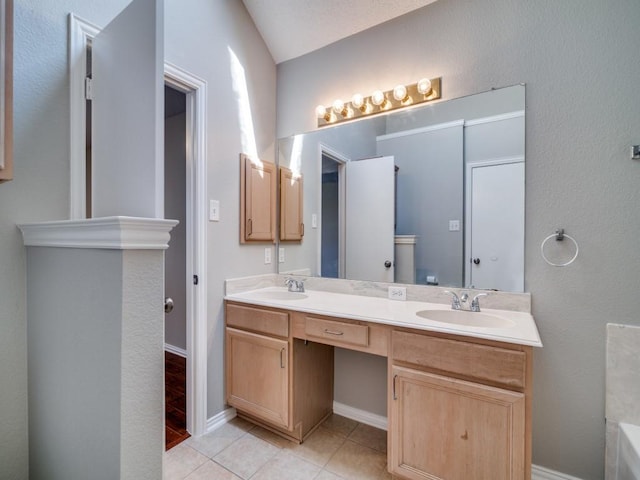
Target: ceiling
{"x":292,"y":28}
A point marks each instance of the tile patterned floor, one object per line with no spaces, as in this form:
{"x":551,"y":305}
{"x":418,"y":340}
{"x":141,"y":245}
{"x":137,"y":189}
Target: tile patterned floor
{"x":340,"y":449}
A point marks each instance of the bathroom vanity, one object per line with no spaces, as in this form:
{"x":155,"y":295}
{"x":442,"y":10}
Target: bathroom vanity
{"x":459,"y":396}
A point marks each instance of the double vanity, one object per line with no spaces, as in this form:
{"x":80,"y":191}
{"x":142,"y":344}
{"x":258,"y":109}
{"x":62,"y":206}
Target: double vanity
{"x":459,"y":382}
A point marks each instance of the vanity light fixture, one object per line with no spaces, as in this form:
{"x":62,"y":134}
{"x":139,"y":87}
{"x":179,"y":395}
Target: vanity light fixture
{"x":424,"y":90}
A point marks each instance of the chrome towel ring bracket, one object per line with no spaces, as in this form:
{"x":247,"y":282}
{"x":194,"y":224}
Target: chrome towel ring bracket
{"x":559,"y":236}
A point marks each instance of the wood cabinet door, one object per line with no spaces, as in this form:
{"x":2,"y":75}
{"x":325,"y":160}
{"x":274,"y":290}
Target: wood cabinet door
{"x":258,"y":375}
{"x":450,"y":429}
{"x":257,"y":200}
{"x":291,"y":222}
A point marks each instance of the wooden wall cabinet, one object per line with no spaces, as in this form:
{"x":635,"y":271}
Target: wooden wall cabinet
{"x":6,"y":91}
{"x":263,"y":381}
{"x":291,"y":220}
{"x":257,"y":200}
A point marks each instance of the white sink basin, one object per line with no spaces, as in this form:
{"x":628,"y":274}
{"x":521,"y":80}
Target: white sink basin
{"x":467,"y":318}
{"x":279,"y":295}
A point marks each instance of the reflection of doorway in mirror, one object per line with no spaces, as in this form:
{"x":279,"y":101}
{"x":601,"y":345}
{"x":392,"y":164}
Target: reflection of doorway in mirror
{"x":330,"y":220}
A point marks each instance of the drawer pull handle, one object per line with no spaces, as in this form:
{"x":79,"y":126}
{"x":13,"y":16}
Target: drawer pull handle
{"x":394,"y":387}
{"x":281,"y":358}
{"x":333,"y":332}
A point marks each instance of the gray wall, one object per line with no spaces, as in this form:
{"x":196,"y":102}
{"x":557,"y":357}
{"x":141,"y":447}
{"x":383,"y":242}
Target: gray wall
{"x":204,"y":39}
{"x":96,"y":382}
{"x":197,"y":39}
{"x":430,"y":193}
{"x":580,"y":61}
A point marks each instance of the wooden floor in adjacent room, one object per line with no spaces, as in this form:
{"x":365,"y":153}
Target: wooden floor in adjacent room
{"x":175,"y":378}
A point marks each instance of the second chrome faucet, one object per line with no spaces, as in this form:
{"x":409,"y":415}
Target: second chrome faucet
{"x":457,"y":302}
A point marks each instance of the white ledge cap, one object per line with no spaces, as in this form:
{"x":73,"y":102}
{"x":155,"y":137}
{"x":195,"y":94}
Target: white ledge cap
{"x":120,"y":233}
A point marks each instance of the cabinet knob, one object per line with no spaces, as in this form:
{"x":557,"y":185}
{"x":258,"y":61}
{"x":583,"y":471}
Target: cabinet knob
{"x":387,"y":264}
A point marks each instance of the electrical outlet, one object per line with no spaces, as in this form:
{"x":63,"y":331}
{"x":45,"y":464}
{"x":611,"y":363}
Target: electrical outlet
{"x":267,"y":256}
{"x":454,"y":225}
{"x":397,"y":293}
{"x":281,"y":255}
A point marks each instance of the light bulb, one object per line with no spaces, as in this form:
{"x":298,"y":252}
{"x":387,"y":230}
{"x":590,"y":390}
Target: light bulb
{"x":424,"y":86}
{"x":338,"y":106}
{"x":357,"y":100}
{"x":377,"y":98}
{"x":321,"y":111}
{"x":400,"y":93}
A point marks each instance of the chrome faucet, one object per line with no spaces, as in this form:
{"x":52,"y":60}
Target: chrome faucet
{"x":475,"y":303}
{"x":455,"y":300}
{"x":294,"y":285}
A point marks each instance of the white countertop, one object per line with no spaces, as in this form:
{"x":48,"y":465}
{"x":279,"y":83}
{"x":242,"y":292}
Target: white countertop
{"x":398,"y":313}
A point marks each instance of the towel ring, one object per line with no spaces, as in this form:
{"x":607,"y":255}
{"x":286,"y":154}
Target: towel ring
{"x":559,"y":236}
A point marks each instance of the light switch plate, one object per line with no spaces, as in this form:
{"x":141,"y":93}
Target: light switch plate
{"x":214,"y":210}
{"x":314,"y":220}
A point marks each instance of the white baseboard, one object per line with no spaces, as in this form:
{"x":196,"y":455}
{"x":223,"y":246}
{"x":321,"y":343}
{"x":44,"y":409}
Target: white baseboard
{"x":368,"y":418}
{"x":220,"y":419}
{"x":541,"y":473}
{"x":175,"y":350}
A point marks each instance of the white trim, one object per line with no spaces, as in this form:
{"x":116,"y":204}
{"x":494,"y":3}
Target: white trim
{"x":196,"y":227}
{"x":220,"y":419}
{"x":362,"y":416}
{"x":80,"y":34}
{"x":416,"y":131}
{"x":181,"y":352}
{"x":494,"y":118}
{"x":541,"y":473}
{"x":120,"y":233}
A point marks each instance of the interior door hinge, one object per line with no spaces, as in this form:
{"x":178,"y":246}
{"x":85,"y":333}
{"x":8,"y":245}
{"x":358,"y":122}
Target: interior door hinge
{"x":88,"y":88}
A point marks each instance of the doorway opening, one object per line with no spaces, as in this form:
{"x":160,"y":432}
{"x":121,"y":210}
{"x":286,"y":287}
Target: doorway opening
{"x":332,"y":217}
{"x":175,"y":267}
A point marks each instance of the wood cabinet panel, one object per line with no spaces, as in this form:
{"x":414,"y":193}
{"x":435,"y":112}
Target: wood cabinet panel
{"x":483,"y":363}
{"x":6,"y":91}
{"x":257,"y":369}
{"x":343,"y":332}
{"x":257,"y":200}
{"x":445,"y":428}
{"x":377,"y":342}
{"x":291,"y":219}
{"x":258,"y":319}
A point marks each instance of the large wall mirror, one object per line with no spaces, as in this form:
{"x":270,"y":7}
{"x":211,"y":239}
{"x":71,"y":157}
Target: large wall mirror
{"x":430,"y":195}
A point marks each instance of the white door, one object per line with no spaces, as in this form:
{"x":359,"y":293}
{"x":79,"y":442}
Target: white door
{"x":496,"y":220}
{"x":128,"y":113}
{"x":370,"y":205}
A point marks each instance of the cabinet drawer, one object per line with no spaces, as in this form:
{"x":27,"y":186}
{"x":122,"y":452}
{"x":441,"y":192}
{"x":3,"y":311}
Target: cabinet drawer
{"x":482,"y":363}
{"x":258,"y":320}
{"x":340,"y":332}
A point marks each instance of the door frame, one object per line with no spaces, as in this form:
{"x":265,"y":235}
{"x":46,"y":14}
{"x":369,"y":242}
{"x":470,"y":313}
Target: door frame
{"x":81,"y":33}
{"x":468,"y":193}
{"x":341,"y":159}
